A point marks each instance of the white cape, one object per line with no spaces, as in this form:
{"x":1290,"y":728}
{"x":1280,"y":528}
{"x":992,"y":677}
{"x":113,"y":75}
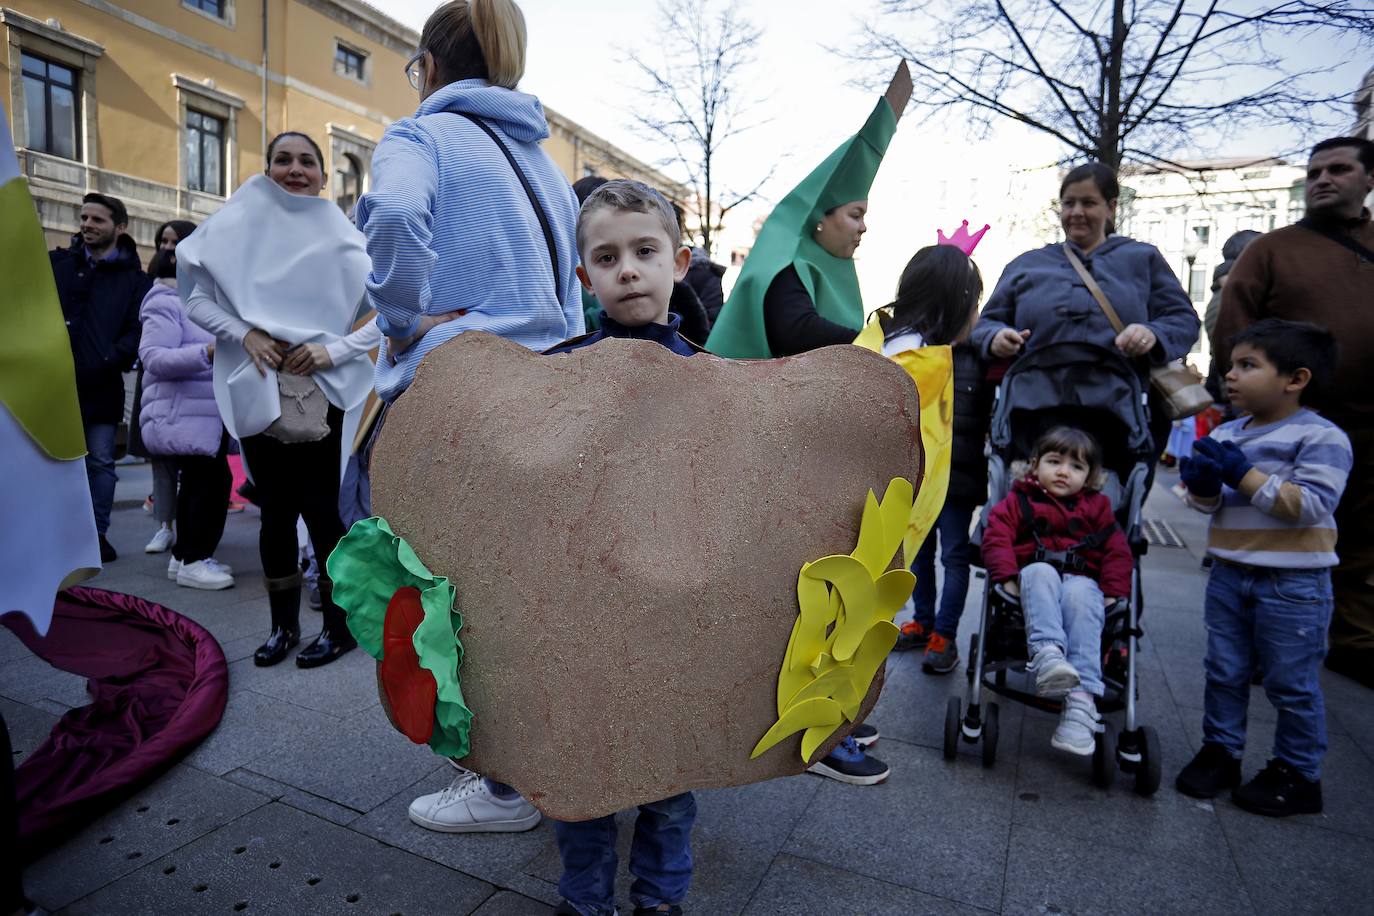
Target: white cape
{"x":294,"y":266}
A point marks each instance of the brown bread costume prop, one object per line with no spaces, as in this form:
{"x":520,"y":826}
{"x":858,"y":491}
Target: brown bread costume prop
{"x":626,"y":565}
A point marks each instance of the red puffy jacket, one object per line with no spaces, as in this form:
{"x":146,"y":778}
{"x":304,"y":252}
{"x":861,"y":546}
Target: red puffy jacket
{"x":1008,"y":545}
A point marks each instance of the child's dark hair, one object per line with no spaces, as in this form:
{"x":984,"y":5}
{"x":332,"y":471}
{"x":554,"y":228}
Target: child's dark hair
{"x":1074,"y":442}
{"x":1294,"y":345}
{"x":936,"y":296}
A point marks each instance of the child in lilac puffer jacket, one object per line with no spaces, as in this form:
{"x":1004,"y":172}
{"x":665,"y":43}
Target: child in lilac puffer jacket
{"x":180,"y":420}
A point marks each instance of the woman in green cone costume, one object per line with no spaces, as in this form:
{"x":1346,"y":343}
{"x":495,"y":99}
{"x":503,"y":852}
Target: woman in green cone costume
{"x":798,"y":289}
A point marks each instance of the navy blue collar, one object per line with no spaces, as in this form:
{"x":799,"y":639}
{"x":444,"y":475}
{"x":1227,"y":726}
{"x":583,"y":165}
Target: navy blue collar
{"x":664,"y":334}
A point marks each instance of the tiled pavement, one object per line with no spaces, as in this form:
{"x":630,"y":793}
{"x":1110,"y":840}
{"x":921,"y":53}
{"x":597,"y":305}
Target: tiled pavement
{"x":296,"y":804}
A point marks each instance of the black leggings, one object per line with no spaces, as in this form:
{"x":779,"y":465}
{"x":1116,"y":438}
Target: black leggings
{"x":202,"y":502}
{"x":299,"y":479}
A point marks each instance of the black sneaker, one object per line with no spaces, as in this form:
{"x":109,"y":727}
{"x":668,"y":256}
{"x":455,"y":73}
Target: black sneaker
{"x":1278,"y":790}
{"x":671,"y":910}
{"x":107,"y":551}
{"x":1212,"y":771}
{"x":864,"y":735}
{"x":565,"y":909}
{"x":848,"y":763}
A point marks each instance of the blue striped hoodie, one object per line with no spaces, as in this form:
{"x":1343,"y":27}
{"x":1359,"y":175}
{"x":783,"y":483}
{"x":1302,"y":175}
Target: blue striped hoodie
{"x":449,"y":227}
{"x":1289,"y":521}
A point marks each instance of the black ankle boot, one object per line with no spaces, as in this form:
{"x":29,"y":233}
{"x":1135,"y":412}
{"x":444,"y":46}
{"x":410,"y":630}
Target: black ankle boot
{"x":334,"y":639}
{"x":284,"y":598}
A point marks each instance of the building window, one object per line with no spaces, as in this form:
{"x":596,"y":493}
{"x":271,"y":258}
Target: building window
{"x":348,"y":182}
{"x":348,"y":62}
{"x":50,"y":107}
{"x":213,"y":7}
{"x":204,"y":153}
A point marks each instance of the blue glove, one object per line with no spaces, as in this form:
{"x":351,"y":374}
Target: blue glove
{"x":1228,"y":457}
{"x":1201,"y":476}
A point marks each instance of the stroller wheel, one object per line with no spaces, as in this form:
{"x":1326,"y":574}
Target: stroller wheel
{"x":972,"y":657}
{"x":1147,"y":770}
{"x":1104,"y":756}
{"x":952,"y":715}
{"x":990,"y":735}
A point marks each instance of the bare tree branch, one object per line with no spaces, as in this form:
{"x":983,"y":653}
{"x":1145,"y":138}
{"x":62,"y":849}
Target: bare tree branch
{"x":691,"y":100}
{"x":1119,"y":79}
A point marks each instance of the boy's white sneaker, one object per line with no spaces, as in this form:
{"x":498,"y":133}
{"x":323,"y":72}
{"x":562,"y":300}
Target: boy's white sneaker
{"x":173,"y":567}
{"x":1079,"y":723}
{"x":1054,"y":676}
{"x":162,"y":541}
{"x":203,"y":574}
{"x":468,"y":806}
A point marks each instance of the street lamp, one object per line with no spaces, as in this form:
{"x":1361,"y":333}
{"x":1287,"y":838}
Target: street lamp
{"x":1191,"y":249}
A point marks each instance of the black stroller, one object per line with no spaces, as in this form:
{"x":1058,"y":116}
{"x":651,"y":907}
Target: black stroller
{"x":1095,"y":389}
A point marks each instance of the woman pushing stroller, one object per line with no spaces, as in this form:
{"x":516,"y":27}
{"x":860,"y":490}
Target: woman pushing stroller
{"x":1054,"y":542}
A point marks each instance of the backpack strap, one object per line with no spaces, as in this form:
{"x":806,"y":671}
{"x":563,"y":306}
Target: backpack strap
{"x":1344,"y":241}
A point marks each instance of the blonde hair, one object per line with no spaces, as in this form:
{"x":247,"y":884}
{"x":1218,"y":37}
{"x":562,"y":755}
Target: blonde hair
{"x":477,"y":39}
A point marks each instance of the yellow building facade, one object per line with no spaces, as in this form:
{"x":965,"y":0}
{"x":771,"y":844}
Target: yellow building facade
{"x":169,"y":104}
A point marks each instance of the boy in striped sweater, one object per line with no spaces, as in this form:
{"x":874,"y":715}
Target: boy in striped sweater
{"x":1271,"y":481}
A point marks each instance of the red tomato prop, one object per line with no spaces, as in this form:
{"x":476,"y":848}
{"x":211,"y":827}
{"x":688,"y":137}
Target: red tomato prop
{"x":409,"y":689}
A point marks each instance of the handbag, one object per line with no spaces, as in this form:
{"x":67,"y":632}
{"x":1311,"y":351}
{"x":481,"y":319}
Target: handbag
{"x":1181,"y":393}
{"x":304,"y":410}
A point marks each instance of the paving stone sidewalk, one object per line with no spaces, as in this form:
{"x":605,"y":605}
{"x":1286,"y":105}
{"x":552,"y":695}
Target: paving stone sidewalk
{"x":297,"y":803}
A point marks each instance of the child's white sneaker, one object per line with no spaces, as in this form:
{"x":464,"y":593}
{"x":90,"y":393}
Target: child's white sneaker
{"x":203,"y":574}
{"x":1054,"y":676}
{"x":1079,"y":723}
{"x":468,"y":806}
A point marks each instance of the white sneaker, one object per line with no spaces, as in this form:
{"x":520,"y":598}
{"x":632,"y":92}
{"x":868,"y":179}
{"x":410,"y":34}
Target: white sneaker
{"x":162,"y":541}
{"x":222,"y":567}
{"x":173,"y":567}
{"x":201,"y":574}
{"x":1079,"y":723}
{"x":468,"y":806}
{"x":1054,"y":676}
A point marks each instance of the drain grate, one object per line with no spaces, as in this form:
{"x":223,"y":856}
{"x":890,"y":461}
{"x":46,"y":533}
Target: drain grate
{"x":1160,"y":533}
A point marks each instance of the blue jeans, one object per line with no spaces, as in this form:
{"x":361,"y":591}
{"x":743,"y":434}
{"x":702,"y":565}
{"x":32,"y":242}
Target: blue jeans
{"x":1277,"y":617}
{"x":660,"y":857}
{"x":1068,"y":612}
{"x":100,"y":472}
{"x":951,"y":525}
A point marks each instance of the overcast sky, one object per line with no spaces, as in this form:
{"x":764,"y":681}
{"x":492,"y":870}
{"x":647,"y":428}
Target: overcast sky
{"x":933,"y":175}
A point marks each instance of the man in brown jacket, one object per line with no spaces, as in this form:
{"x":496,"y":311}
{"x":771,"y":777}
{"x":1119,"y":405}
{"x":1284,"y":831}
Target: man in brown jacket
{"x":1322,"y":270}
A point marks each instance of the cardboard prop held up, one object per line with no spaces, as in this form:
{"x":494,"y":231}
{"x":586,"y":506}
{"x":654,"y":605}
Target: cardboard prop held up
{"x":609,"y":542}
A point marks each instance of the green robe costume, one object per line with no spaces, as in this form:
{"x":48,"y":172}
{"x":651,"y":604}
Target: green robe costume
{"x":846,"y":175}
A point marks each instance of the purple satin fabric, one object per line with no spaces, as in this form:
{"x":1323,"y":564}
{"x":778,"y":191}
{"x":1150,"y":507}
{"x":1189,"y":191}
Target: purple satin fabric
{"x":158,"y":684}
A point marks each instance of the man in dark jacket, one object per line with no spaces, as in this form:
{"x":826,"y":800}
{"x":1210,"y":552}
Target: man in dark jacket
{"x":101,"y":285}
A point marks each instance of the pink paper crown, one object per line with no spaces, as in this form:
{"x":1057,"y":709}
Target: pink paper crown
{"x":961,"y":239}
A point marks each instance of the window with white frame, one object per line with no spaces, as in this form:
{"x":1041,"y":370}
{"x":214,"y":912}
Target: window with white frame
{"x":350,"y":62}
{"x":215,"y":8}
{"x":204,"y":152}
{"x":50,"y":107}
{"x":348,"y":182}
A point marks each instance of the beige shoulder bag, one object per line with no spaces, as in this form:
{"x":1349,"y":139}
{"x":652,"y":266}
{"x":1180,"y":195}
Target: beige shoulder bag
{"x":1180,"y":391}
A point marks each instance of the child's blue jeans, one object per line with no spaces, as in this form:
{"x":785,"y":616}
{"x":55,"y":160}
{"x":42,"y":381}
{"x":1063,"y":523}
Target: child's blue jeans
{"x":1277,"y":617}
{"x":1068,"y":612}
{"x":660,"y":857}
{"x":951,"y":525}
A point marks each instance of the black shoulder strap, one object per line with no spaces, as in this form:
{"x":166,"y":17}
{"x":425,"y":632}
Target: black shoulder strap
{"x":534,"y":201}
{"x":1344,"y":241}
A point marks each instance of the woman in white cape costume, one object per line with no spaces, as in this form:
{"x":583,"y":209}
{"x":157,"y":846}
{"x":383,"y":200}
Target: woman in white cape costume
{"x":277,"y":276}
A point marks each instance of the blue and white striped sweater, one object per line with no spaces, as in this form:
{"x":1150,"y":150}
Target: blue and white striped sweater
{"x":449,"y":227}
{"x":1289,"y":521}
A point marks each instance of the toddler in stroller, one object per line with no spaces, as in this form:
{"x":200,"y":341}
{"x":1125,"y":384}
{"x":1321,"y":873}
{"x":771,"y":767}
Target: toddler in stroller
{"x":1083,"y":646}
{"x":1054,"y":543}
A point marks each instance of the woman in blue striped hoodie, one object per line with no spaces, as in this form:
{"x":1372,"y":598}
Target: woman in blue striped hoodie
{"x":455,"y":239}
